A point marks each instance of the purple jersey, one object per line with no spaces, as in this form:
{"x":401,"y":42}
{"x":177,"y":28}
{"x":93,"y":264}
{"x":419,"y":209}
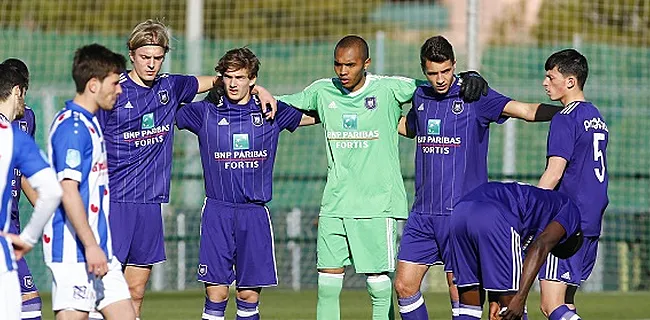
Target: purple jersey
{"x":527,"y":209}
{"x":26,"y":124}
{"x":139,"y":135}
{"x":237,"y":147}
{"x":579,"y":134}
{"x":452,"y":145}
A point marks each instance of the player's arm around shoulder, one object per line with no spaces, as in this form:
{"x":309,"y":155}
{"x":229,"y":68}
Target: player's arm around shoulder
{"x":307,"y":99}
{"x":531,"y":112}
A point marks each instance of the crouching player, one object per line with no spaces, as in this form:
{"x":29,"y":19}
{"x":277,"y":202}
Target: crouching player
{"x":238,"y":147}
{"x":492,"y":227}
{"x":77,"y":239}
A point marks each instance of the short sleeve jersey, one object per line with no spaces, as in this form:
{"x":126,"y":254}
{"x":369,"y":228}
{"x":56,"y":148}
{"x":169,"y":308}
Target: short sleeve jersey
{"x":363,"y":177}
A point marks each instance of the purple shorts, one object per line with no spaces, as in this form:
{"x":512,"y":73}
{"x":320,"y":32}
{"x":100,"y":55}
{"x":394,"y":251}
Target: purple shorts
{"x":236,"y":244}
{"x":486,"y":251}
{"x":425,"y":240}
{"x":574,"y":270}
{"x":25,"y":277}
{"x":137,"y":233}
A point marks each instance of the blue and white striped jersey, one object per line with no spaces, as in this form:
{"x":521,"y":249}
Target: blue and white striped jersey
{"x":77,"y":151}
{"x":17,"y":150}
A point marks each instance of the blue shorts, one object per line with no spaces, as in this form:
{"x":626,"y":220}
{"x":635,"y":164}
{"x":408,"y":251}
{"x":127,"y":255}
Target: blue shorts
{"x":425,"y":240}
{"x":237,"y":244}
{"x":574,"y":270}
{"x":25,"y":277}
{"x":486,"y":251}
{"x":137,"y":233}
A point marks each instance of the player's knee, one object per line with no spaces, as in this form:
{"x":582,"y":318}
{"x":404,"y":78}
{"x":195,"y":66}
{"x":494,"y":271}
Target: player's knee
{"x":249,"y":296}
{"x":404,"y":288}
{"x":137,"y":291}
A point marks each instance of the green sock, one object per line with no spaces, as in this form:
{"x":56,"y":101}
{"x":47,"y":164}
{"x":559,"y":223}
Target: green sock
{"x":381,"y":293}
{"x":329,"y":289}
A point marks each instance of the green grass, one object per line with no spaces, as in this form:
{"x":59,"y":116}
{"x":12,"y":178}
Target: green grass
{"x":355,"y":304}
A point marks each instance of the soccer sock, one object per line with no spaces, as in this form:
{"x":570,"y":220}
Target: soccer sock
{"x":468,"y":312}
{"x":563,"y":313}
{"x":247,"y":310}
{"x":95,"y":315}
{"x":329,"y":289}
{"x":31,"y":309}
{"x":380,"y":289}
{"x":413,"y":308}
{"x":214,"y":310}
{"x":455,"y":306}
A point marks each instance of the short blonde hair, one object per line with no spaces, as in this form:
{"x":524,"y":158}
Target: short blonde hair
{"x":149,"y":33}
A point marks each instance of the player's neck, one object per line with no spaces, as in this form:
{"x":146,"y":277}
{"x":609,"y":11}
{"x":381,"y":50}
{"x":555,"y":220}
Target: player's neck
{"x":136,"y":78}
{"x":7,"y":111}
{"x":571,"y":97}
{"x":359,"y":85}
{"x":240,"y":102}
{"x":86,"y":102}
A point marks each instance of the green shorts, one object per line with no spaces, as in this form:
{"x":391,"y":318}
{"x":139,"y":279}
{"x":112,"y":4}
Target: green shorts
{"x":369,"y":244}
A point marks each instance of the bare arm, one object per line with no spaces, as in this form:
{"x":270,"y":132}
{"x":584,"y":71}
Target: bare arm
{"x":29,"y":192}
{"x":76,"y":213}
{"x":403,"y":129}
{"x":535,"y":257}
{"x":266,"y":98}
{"x":309,"y":119}
{"x":530,"y":111}
{"x":205,"y":83}
{"x":554,"y":170}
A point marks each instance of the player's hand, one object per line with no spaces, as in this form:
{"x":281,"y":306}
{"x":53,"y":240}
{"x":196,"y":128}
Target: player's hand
{"x":267,"y":99}
{"x":20,"y":247}
{"x":494,"y":311}
{"x":216,"y":93}
{"x":96,"y":261}
{"x":472,"y":86}
{"x":515,"y":309}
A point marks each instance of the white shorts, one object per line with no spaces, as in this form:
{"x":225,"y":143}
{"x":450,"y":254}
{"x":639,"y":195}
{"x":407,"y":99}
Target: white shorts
{"x":74,"y":288}
{"x":10,"y":300}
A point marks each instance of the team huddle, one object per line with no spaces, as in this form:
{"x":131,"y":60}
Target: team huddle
{"x":102,"y":233}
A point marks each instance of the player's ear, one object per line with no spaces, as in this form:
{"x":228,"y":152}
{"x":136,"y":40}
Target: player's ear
{"x":92,"y":85}
{"x":571,"y":82}
{"x":132,"y":55}
{"x":366,"y":64}
{"x":251,"y":81}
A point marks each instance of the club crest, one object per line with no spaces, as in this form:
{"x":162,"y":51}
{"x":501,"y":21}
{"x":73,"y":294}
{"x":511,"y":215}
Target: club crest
{"x":28,"y":282}
{"x":371,"y":103}
{"x":203,"y":270}
{"x":163,"y":95}
{"x":23,"y":125}
{"x":257,"y":119}
{"x":457,"y":107}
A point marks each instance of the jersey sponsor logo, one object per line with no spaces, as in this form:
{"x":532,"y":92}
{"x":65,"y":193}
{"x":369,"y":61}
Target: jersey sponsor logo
{"x":147,"y":137}
{"x":223,"y":122}
{"x":246,"y":159}
{"x":256,"y":119}
{"x":128,"y":105}
{"x":421,"y":107}
{"x":148,"y":121}
{"x":28,"y":282}
{"x":240,"y":141}
{"x":595,"y":124}
{"x":371,"y":103}
{"x":350,"y":121}
{"x":163,"y":95}
{"x":73,"y":158}
{"x":332,"y":105}
{"x":457,"y":107}
{"x":202,"y":270}
{"x":433,"y":127}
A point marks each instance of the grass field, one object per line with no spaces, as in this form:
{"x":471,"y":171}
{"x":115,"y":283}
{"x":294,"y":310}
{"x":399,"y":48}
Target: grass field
{"x":355,"y":304}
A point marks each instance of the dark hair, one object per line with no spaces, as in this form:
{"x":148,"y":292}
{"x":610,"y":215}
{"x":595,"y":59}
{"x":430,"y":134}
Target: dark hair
{"x":436,"y":49}
{"x":239,"y":58}
{"x":95,"y":61}
{"x":569,"y":62}
{"x":20,"y":66}
{"x":353,"y":41}
{"x":9,"y":78}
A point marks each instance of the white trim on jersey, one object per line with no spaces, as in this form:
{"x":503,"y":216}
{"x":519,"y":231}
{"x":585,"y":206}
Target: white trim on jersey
{"x":275,"y":264}
{"x":551,"y":267}
{"x":570,"y":107}
{"x":389,"y":244}
{"x":515,"y":247}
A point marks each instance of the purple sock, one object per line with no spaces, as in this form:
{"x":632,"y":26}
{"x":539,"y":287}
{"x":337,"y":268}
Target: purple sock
{"x":413,"y":308}
{"x":247,"y":310}
{"x":563,"y":313}
{"x":214,"y":310}
{"x":31,"y":309}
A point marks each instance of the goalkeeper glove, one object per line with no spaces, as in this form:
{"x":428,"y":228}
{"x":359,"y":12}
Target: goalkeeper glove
{"x":472,"y":86}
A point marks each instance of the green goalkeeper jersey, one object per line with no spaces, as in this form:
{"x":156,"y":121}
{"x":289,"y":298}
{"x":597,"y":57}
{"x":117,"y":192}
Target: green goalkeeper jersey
{"x":364,"y":179}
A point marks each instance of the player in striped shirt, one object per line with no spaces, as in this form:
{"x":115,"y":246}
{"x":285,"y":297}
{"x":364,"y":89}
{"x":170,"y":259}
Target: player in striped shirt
{"x":450,"y":160}
{"x":139,"y":138}
{"x":19,"y":151}
{"x":364,"y":194}
{"x":576,"y":166}
{"x":31,"y":304}
{"x":77,"y":240}
{"x":238,"y":148}
{"x":493,"y":227}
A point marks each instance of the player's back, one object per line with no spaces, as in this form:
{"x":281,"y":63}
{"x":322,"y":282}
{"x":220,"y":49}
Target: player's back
{"x":27,"y":125}
{"x":452,"y":139}
{"x":579,"y":134}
